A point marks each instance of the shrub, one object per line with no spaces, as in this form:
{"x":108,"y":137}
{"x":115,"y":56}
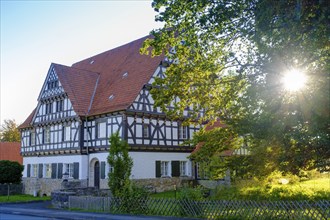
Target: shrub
{"x":191,"y":194}
{"x":10,"y":171}
{"x":196,"y":193}
{"x":133,"y":200}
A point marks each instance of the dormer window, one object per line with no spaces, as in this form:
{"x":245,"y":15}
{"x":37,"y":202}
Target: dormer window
{"x":125,"y":75}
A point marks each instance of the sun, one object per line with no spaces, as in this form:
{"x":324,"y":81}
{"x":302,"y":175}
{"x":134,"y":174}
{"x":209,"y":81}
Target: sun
{"x":294,"y":80}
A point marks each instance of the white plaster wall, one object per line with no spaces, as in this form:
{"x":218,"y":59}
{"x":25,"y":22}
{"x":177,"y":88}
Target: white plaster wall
{"x":81,"y":159}
{"x":144,"y":163}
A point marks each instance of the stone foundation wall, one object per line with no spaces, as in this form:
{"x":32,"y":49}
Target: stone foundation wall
{"x":44,"y":186}
{"x":163,"y":184}
{"x":104,"y":184}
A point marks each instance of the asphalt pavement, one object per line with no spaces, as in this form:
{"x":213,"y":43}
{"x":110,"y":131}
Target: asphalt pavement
{"x":43,"y":209}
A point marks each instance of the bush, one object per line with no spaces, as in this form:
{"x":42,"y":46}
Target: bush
{"x":195,"y":194}
{"x":10,"y":172}
{"x":276,"y":178}
{"x":191,"y":194}
{"x":133,"y":200}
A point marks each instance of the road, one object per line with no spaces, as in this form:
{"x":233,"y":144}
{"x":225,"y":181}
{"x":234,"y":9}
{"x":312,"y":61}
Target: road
{"x":23,"y":217}
{"x":42,"y":211}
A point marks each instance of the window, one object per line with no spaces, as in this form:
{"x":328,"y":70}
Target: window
{"x":183,"y":168}
{"x":34,"y":171}
{"x":182,"y":130}
{"x":164,"y":168}
{"x":101,"y":129}
{"x":68,"y":168}
{"x":59,"y":105}
{"x":52,"y":84}
{"x":47,"y":170}
{"x":201,"y":173}
{"x":46,"y":138}
{"x":32,"y":138}
{"x":145,"y":130}
{"x":48,"y":108}
{"x":66,"y":133}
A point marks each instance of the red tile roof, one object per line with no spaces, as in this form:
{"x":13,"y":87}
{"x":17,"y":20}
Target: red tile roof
{"x":11,"y":151}
{"x":27,"y":121}
{"x":112,"y":65}
{"x":90,"y":82}
{"x":79,"y":85}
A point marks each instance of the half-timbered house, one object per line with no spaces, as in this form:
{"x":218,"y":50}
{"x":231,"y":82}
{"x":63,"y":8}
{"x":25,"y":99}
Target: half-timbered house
{"x":80,"y":106}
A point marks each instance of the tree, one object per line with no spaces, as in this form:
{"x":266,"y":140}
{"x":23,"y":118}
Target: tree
{"x":121,"y":163}
{"x":10,"y":171}
{"x":227,"y":61}
{"x":9,"y":131}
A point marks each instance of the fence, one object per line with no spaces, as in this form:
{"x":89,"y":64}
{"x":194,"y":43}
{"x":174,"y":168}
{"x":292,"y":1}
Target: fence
{"x":10,"y":189}
{"x":319,"y":210}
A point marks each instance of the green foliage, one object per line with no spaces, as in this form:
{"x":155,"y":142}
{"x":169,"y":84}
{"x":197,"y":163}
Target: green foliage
{"x":230,"y":57}
{"x":133,"y":200}
{"x":10,"y":172}
{"x":9,"y":131}
{"x":188,"y":193}
{"x":316,"y":189}
{"x":119,"y":182}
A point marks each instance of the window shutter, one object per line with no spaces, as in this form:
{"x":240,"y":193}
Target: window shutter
{"x":102,"y":170}
{"x":43,"y":135}
{"x":158,"y":171}
{"x":40,"y":171}
{"x":175,"y":168}
{"x":60,"y":170}
{"x":75,"y":170}
{"x":28,"y":170}
{"x":54,"y":170}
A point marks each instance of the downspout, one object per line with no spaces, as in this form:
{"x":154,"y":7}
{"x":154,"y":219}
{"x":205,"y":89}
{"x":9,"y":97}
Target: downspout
{"x":87,"y":130}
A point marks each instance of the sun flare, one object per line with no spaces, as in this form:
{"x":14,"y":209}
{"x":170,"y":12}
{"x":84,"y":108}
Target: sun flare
{"x":294,"y":80}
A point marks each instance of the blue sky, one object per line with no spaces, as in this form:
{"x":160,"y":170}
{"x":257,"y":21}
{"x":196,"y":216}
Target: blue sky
{"x":36,"y":33}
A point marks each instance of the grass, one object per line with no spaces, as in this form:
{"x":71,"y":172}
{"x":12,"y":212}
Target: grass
{"x":315,"y":189}
{"x":22,"y":198}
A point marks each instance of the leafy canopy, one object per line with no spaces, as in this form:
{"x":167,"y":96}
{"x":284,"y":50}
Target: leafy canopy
{"x":10,"y":172}
{"x":228,"y":58}
{"x":9,"y":131}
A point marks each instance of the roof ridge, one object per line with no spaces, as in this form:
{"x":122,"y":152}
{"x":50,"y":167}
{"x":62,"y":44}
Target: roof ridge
{"x":115,"y":48}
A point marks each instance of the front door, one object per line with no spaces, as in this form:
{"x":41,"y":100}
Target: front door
{"x":97,"y":175}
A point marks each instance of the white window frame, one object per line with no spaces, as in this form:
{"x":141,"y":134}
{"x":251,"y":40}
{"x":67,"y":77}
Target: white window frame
{"x":101,"y":126}
{"x":165,"y":168}
{"x":33,"y":137}
{"x":182,"y":132}
{"x":184,"y":168}
{"x":67,"y":133}
{"x":34,"y":170}
{"x":145,"y":130}
{"x":68,"y":168}
{"x":47,"y":135}
{"x":47,"y":170}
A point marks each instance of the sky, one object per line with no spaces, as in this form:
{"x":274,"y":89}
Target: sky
{"x":35,"y":34}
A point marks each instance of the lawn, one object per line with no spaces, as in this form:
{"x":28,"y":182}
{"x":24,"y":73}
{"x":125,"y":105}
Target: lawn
{"x":22,"y":198}
{"x":316,"y":189}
